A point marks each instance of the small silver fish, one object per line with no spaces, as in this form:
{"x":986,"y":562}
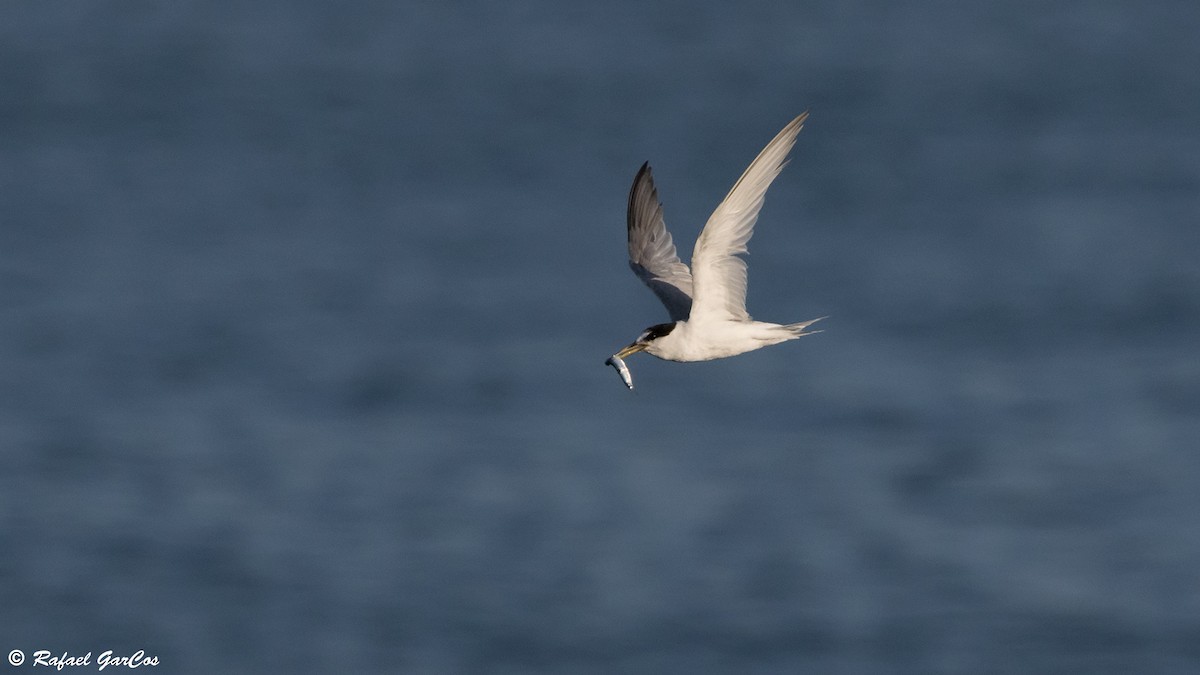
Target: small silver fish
{"x":616,"y":362}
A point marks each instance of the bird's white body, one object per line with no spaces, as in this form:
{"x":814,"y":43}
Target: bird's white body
{"x":706,"y":303}
{"x":720,"y":339}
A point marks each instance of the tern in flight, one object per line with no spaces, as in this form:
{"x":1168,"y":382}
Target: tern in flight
{"x":706,"y":304}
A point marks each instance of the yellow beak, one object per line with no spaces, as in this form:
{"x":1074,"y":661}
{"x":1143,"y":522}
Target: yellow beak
{"x":631,"y":349}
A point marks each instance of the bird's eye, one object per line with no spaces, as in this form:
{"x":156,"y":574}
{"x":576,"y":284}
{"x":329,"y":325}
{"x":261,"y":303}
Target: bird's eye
{"x":662,"y":329}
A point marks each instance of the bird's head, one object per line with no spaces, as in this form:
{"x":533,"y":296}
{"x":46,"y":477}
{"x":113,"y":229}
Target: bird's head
{"x":647,"y":338}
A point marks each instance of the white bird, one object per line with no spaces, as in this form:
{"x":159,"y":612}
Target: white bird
{"x":707,"y":304}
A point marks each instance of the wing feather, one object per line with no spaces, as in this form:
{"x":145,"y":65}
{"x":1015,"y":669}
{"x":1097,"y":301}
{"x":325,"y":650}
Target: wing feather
{"x":719,"y":274}
{"x":652,"y":253}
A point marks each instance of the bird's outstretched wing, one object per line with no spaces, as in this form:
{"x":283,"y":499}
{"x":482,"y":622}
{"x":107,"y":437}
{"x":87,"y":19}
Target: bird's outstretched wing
{"x":719,"y":274}
{"x":652,"y":252}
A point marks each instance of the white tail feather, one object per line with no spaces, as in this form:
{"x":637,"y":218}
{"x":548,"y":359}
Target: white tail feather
{"x":797,"y":329}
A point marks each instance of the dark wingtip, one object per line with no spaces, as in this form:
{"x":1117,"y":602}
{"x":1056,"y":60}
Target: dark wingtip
{"x":643,"y":170}
{"x":631,"y":208}
{"x":637,"y":180}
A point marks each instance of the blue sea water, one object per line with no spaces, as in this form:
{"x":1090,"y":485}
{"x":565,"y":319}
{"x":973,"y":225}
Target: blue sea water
{"x":304,"y":308}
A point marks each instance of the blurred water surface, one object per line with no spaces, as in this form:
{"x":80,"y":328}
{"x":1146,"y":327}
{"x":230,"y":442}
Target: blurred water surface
{"x":303,"y":309}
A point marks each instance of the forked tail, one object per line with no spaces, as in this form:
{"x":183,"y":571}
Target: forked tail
{"x":797,"y":329}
